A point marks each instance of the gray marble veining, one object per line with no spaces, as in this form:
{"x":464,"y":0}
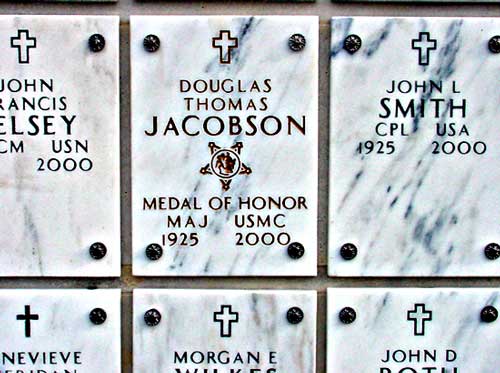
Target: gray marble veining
{"x":224,"y":145}
{"x":413,"y":330}
{"x":221,"y":330}
{"x":59,"y":146}
{"x":50,"y":331}
{"x":414,"y":162}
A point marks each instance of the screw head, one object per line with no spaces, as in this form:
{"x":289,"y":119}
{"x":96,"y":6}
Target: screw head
{"x":352,"y":43}
{"x":98,"y":250}
{"x":98,"y":316}
{"x":348,"y":251}
{"x":494,"y":44}
{"x":297,"y":42}
{"x":489,"y":314}
{"x":492,"y":251}
{"x":97,"y":43}
{"x":154,"y":251}
{"x":347,"y":315}
{"x":295,"y":315}
{"x":152,"y":317}
{"x":151,"y":43}
{"x":296,"y":250}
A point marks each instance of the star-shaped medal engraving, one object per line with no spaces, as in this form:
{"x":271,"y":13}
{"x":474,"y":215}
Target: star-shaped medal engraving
{"x":225,"y":164}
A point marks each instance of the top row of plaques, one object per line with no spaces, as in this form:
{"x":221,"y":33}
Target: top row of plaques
{"x":224,"y":146}
{"x":299,"y":1}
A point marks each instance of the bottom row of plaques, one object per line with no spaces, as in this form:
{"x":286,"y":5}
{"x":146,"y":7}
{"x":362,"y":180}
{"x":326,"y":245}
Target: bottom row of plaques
{"x":238,"y":331}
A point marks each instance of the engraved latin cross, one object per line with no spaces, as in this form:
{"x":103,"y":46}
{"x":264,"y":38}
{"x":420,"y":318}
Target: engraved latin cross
{"x":424,"y":44}
{"x":226,"y":317}
{"x":225,"y":43}
{"x":23,"y":42}
{"x":419,"y":315}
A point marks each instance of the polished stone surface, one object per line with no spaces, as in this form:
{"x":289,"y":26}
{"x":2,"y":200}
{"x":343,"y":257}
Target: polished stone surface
{"x":50,"y":331}
{"x":59,"y":146}
{"x":220,"y":330}
{"x":414,"y":172}
{"x":413,"y":330}
{"x":224,"y":144}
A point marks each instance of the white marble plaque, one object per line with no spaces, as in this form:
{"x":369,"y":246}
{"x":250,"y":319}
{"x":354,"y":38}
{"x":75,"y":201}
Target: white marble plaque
{"x":225,"y":331}
{"x":59,"y":146}
{"x":413,"y":331}
{"x":414,"y":146}
{"x":51,"y":331}
{"x":224,"y":145}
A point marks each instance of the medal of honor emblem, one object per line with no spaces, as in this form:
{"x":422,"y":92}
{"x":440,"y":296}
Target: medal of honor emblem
{"x":225,"y":164}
